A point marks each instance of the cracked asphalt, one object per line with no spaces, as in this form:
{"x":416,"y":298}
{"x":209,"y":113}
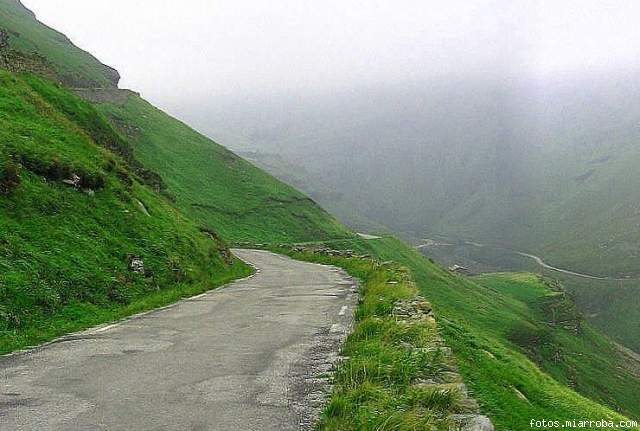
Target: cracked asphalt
{"x":252,"y":355}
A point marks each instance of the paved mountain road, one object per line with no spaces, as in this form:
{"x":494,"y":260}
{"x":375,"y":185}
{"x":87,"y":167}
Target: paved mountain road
{"x":248,"y":356}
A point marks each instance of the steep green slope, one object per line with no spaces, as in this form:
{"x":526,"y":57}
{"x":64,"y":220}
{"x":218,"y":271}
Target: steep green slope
{"x":518,"y":366}
{"x":42,"y":47}
{"x":216,"y":187}
{"x":331,"y":197}
{"x":552,"y":333}
{"x":83,"y":239}
{"x":210,"y":184}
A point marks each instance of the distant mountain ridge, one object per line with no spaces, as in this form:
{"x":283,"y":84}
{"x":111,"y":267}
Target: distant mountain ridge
{"x":544,"y":167}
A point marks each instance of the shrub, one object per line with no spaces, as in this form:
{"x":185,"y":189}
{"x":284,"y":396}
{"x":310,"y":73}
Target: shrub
{"x":91,"y":180}
{"x":9,"y":176}
{"x":529,"y":336}
{"x":55,"y":169}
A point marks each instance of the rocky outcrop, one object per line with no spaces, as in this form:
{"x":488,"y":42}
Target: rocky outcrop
{"x":136,"y":264}
{"x":17,"y":61}
{"x":116,"y":96}
{"x":416,"y":309}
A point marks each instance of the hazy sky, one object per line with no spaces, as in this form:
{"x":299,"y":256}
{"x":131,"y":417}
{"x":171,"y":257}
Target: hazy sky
{"x":174,"y":51}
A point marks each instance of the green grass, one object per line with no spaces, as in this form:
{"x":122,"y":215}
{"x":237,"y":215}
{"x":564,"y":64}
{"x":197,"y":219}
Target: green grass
{"x":216,"y":187}
{"x":484,"y":325}
{"x":377,"y":387}
{"x":65,"y":251}
{"x":71,"y":65}
{"x":586,"y":360}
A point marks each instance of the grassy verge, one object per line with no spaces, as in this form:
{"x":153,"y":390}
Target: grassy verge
{"x":388,"y":381}
{"x":82,"y":315}
{"x":511,"y":383}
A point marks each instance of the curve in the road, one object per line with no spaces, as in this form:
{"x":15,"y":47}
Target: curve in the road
{"x":543,"y":264}
{"x":252,"y":355}
{"x":539,"y":261}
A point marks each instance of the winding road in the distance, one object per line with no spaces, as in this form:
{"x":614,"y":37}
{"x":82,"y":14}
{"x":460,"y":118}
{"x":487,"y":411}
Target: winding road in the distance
{"x":538,"y":260}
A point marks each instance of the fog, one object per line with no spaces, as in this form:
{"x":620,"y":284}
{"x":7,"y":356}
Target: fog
{"x":502,"y":121}
{"x":485,"y":130}
{"x":203,"y":52}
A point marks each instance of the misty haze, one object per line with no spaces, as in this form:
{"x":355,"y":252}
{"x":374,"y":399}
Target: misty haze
{"x":466,"y":171}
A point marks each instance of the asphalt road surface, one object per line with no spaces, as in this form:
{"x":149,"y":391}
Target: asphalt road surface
{"x":252,"y":355}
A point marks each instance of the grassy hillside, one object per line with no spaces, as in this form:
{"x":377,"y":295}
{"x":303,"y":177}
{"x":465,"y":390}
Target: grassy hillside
{"x":332,"y":198}
{"x":216,"y":187}
{"x":210,"y":184}
{"x":518,"y":366}
{"x":83,"y":238}
{"x":552,"y":333}
{"x":42,"y":46}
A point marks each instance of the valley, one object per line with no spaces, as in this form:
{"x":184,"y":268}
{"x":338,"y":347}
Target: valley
{"x":151,"y":277}
{"x":610,"y":304}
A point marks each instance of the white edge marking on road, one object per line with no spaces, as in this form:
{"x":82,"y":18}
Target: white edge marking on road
{"x":343,"y":310}
{"x":336,"y":327}
{"x":105,"y":328}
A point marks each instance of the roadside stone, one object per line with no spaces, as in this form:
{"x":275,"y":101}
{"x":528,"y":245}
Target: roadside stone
{"x":136,"y":264}
{"x":450,"y":377}
{"x":74,"y":181}
{"x":462,"y":422}
{"x":416,"y":308}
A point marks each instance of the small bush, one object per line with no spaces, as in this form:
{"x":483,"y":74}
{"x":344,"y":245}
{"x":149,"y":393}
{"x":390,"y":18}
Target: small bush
{"x":55,"y":169}
{"x":9,"y":176}
{"x":529,"y":336}
{"x":150,"y":178}
{"x":91,"y":180}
